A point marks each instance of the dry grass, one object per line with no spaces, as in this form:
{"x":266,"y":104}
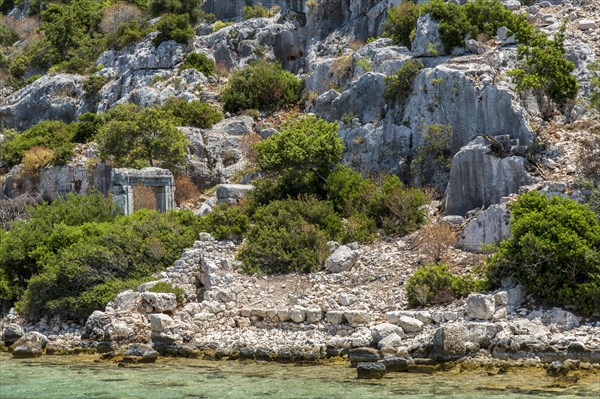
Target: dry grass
{"x":356,"y":44}
{"x":35,"y":159}
{"x":247,"y":145}
{"x":118,"y":14}
{"x":341,"y":69}
{"x":185,"y":190}
{"x":434,"y":240}
{"x":144,"y":197}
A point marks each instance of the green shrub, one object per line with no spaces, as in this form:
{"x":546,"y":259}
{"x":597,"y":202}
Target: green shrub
{"x":594,"y":68}
{"x":55,"y":135}
{"x":7,"y":35}
{"x":127,"y":33}
{"x":359,"y":228}
{"x":87,"y":127}
{"x":397,"y":209}
{"x":169,"y":289}
{"x":173,"y":27}
{"x":281,"y":240}
{"x":435,"y":284}
{"x":138,"y":138}
{"x":93,"y":84}
{"x":348,"y":190}
{"x":220,"y":25}
{"x":545,"y":68}
{"x":199,"y":62}
{"x":192,"y":113}
{"x":554,"y":251}
{"x":189,"y":8}
{"x":399,"y":86}
{"x":402,"y":22}
{"x":261,"y":85}
{"x":226,"y":223}
{"x":257,"y":11}
{"x":302,"y":156}
{"x":434,"y":154}
{"x":76,"y":262}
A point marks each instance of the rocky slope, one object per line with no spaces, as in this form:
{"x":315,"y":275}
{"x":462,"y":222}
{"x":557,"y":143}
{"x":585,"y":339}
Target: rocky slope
{"x":362,"y":304}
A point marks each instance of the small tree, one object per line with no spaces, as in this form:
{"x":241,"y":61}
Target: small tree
{"x":134,"y":138}
{"x":399,"y":86}
{"x":303,"y":154}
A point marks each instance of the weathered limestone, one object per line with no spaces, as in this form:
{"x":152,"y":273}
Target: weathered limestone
{"x":123,"y":180}
{"x":480,"y":306}
{"x":370,"y":370}
{"x":30,"y":345}
{"x":341,"y":260}
{"x":488,"y":227}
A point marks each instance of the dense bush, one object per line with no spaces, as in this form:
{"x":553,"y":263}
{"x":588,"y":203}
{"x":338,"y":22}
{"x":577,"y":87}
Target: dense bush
{"x":401,"y":22}
{"x":87,"y":127}
{"x":192,"y":113}
{"x":286,"y":237}
{"x":93,"y":84}
{"x":189,"y":8}
{"x":226,"y":223}
{"x":173,"y":27}
{"x":7,"y":35}
{"x":348,"y":190}
{"x":399,"y":86}
{"x":199,"y":62}
{"x":54,"y":135}
{"x":169,"y":289}
{"x":138,"y":138}
{"x":257,"y":11}
{"x":544,"y":67}
{"x":435,"y":284}
{"x":127,"y":33}
{"x":554,"y":251}
{"x":303,"y":155}
{"x":261,"y":85}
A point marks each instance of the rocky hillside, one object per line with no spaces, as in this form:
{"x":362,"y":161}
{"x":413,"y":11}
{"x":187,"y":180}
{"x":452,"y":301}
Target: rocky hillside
{"x":473,"y":119}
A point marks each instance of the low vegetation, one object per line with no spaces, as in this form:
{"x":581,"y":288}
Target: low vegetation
{"x":399,"y":86}
{"x":554,"y":251}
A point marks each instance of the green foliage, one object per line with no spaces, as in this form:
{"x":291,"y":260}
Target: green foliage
{"x":359,"y":227}
{"x":55,"y":135}
{"x":399,"y":86}
{"x":7,"y":35}
{"x":226,"y":223}
{"x":199,"y":62}
{"x":554,"y":251}
{"x":93,"y":84}
{"x":348,"y":190}
{"x":220,"y":25}
{"x":257,"y":11}
{"x":545,"y":68}
{"x":189,"y":8}
{"x":303,"y":155}
{"x":401,"y":22}
{"x":261,"y":85}
{"x":173,"y":27}
{"x":127,"y":33}
{"x":192,"y":113}
{"x":286,"y":237}
{"x":169,"y":289}
{"x":434,"y":149}
{"x":82,"y":257}
{"x":594,"y":68}
{"x":435,"y":284}
{"x":87,"y":128}
{"x":138,"y":138}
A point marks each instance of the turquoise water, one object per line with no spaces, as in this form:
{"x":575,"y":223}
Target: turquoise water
{"x":67,"y":377}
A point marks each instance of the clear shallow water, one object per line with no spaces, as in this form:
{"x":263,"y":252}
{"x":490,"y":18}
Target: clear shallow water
{"x":67,"y":377}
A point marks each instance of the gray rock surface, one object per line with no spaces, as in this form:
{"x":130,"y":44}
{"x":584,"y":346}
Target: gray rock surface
{"x":29,"y":345}
{"x":480,"y":306}
{"x":427,"y":41}
{"x":160,"y":301}
{"x":449,"y":342}
{"x":341,"y":260}
{"x":488,"y":227}
{"x":479,"y":178}
{"x":370,"y":370}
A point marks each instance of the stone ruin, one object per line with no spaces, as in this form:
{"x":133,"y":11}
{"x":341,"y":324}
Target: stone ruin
{"x":123,"y":181}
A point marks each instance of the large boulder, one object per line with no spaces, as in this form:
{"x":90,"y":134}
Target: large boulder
{"x":140,"y":353}
{"x":370,"y":370}
{"x":29,"y":345}
{"x":427,"y":41}
{"x":381,"y":331}
{"x":160,"y":301}
{"x":160,"y":322}
{"x":488,"y":227}
{"x":480,"y":306}
{"x":480,"y":178}
{"x":449,"y":342}
{"x":11,"y":334}
{"x":341,"y":260}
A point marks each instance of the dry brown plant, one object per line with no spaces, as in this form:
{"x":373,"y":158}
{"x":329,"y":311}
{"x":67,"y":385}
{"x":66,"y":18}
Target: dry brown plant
{"x":356,"y":44}
{"x":341,"y":69}
{"x":434,"y":240}
{"x":118,"y":14}
{"x":35,"y":159}
{"x":144,"y":197}
{"x":247,"y":146}
{"x":185,"y":190}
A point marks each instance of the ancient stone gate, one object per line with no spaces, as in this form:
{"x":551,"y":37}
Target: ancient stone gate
{"x":123,"y":181}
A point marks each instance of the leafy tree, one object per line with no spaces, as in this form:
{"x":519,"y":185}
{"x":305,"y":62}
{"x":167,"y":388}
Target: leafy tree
{"x":545,"y":68}
{"x":595,"y":99}
{"x":173,"y":27}
{"x":401,"y":22}
{"x":55,"y":135}
{"x":190,"y":8}
{"x":348,"y":190}
{"x":261,"y":85}
{"x":226,"y":223}
{"x":138,"y":138}
{"x":303,"y":155}
{"x":554,"y":251}
{"x":192,"y":113}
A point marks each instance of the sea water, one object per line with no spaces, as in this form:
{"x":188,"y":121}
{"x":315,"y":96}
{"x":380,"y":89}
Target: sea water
{"x":66,"y":377}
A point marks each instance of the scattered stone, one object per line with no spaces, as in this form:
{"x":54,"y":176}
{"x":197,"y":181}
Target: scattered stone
{"x":396,"y":364}
{"x":11,"y":334}
{"x":370,"y":370}
{"x":341,"y":260}
{"x":449,"y":342}
{"x":586,"y":24}
{"x":360,"y":355}
{"x":160,"y":301}
{"x":410,"y":325}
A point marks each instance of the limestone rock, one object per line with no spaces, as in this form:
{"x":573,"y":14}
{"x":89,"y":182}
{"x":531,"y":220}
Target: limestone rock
{"x":427,"y":41}
{"x":479,"y":178}
{"x":410,"y":325}
{"x":392,"y":341}
{"x":586,"y":24}
{"x":160,"y":322}
{"x":396,"y":364}
{"x":341,"y":260}
{"x":488,"y":227}
{"x":140,"y":353}
{"x":480,"y":306}
{"x":449,"y":342}
{"x":232,"y":193}
{"x":381,"y":331}
{"x":298,"y":315}
{"x":11,"y":334}
{"x":356,"y":317}
{"x":29,"y":345}
{"x":370,"y":370}
{"x":359,"y":355}
{"x":126,"y":301}
{"x":160,"y":301}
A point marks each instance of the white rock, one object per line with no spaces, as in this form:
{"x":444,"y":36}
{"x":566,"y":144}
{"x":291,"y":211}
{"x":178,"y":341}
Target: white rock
{"x":342,"y":260}
{"x":356,"y":317}
{"x":586,"y":24}
{"x":298,"y":315}
{"x":481,"y":307}
{"x":160,"y":301}
{"x":160,"y":322}
{"x":346,"y":299}
{"x":410,"y":325}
